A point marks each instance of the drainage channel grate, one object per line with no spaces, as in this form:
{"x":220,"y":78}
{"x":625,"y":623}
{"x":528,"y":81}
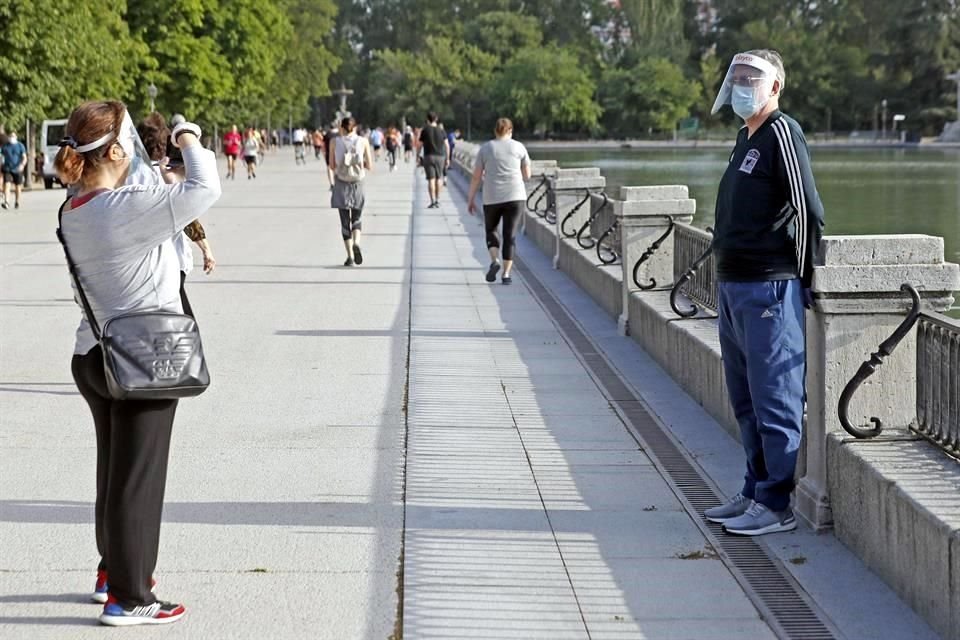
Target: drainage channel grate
{"x":781,"y":602}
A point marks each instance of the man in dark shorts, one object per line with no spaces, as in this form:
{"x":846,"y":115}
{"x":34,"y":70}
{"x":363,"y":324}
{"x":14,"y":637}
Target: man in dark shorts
{"x":329,"y":137}
{"x":14,"y":162}
{"x":436,"y":155}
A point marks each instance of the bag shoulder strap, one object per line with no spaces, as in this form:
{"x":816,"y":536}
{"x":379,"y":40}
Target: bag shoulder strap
{"x":73,"y":272}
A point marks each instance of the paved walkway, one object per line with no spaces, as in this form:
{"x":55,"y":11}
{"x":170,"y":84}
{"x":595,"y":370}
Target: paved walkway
{"x":402,"y":407}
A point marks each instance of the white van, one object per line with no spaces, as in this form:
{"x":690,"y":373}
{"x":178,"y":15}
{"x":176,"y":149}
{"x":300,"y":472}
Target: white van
{"x":52,"y":132}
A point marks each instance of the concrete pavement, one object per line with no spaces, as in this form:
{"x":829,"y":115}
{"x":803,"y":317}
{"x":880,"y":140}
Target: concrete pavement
{"x":404,"y":406}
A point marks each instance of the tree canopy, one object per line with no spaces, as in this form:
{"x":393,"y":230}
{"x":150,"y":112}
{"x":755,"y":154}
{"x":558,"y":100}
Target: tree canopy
{"x":642,"y":57}
{"x":215,"y":61}
{"x":558,"y":67}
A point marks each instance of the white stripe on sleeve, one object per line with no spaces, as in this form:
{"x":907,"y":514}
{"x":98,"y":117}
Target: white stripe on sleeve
{"x":797,"y":198}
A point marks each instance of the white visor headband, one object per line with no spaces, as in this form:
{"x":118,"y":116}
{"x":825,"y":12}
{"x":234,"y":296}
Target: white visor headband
{"x":756,"y":62}
{"x":68,"y":141}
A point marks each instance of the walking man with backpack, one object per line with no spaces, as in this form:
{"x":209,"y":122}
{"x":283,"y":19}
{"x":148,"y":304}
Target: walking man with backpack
{"x":436,"y":155}
{"x":350,"y":160}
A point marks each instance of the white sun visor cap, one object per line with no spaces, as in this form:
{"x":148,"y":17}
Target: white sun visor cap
{"x":760,"y":75}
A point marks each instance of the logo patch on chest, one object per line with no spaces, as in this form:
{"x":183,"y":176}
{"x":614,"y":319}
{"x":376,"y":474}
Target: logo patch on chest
{"x":750,"y":161}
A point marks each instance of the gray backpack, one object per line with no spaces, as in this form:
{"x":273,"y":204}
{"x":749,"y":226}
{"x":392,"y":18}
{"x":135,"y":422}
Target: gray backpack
{"x":351,"y":169}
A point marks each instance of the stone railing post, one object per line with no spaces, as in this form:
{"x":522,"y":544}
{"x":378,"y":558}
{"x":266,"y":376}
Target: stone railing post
{"x":856,"y":285}
{"x":644,"y":214}
{"x":567,"y":189}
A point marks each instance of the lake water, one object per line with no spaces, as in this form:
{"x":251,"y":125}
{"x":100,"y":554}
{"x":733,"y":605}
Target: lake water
{"x":863,"y":190}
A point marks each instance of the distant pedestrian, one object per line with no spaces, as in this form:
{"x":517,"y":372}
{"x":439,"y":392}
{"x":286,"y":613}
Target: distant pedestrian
{"x":316,"y":139}
{"x":14,"y":156}
{"x":451,"y":143}
{"x":407,"y":143}
{"x":300,"y":145}
{"x":435,"y":156}
{"x":329,"y":143}
{"x":232,"y":146}
{"x":350,"y":160}
{"x":251,"y":151}
{"x":769,"y":221}
{"x":376,"y":139}
{"x":120,"y":241}
{"x":392,"y":142}
{"x":502,"y":165}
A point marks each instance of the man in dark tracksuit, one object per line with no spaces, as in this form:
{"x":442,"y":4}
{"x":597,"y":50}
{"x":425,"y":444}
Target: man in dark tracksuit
{"x":769,"y":221}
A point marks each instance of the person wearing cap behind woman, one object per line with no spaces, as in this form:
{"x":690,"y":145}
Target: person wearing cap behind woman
{"x":502,"y":164}
{"x":155,"y":135}
{"x":119,"y":229}
{"x":769,"y":221}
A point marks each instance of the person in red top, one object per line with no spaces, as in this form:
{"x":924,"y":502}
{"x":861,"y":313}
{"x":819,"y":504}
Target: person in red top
{"x":232,"y":143}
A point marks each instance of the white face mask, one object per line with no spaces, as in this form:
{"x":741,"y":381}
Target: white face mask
{"x":13,"y":139}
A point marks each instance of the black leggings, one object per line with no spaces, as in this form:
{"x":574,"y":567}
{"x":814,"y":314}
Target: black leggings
{"x":133,"y":445}
{"x":510,"y":213}
{"x":350,"y":222}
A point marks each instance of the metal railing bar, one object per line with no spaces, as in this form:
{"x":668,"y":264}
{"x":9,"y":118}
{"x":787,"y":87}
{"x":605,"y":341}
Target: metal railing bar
{"x":869,"y":367}
{"x":586,"y":225}
{"x":614,"y":253}
{"x":648,"y":253}
{"x":571,"y":213}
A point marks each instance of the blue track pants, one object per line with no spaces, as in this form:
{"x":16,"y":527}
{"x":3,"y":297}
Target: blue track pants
{"x":764,"y":360}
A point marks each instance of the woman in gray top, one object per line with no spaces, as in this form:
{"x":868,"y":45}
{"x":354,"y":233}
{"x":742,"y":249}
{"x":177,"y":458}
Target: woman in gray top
{"x":119,"y":229}
{"x":502,"y":164}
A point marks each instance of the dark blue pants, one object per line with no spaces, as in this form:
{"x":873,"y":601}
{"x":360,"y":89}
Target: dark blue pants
{"x":764,"y":362}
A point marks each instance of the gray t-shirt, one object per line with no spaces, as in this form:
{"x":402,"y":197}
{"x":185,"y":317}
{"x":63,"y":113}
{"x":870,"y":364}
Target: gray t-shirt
{"x":501,"y":160}
{"x":122,"y":242}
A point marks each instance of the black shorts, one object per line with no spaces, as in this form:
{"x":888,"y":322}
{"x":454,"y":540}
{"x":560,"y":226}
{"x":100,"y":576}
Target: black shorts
{"x":298,"y":144}
{"x":15,"y":178}
{"x":433,"y":166}
{"x":250,"y":159}
{"x":376,"y":147}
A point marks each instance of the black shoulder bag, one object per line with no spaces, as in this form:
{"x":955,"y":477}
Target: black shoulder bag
{"x":147,"y":355}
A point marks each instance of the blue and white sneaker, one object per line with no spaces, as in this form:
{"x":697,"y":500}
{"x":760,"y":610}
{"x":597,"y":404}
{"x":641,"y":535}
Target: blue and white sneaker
{"x":116,"y":615}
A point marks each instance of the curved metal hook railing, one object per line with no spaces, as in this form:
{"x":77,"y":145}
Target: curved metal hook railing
{"x":869,"y":367}
{"x":648,"y":253}
{"x":570,"y":214}
{"x":541,"y":185}
{"x":536,"y":205}
{"x":613,"y":252}
{"x":586,"y":225}
{"x":684,"y":279}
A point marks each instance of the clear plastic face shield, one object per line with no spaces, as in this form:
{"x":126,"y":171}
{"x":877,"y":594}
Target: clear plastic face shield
{"x":747,"y":86}
{"x":141,"y":170}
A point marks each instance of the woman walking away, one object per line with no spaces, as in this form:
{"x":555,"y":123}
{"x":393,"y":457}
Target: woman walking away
{"x":502,"y":164}
{"x":155,"y":135}
{"x":119,"y":230}
{"x":251,"y":151}
{"x":350,"y":161}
